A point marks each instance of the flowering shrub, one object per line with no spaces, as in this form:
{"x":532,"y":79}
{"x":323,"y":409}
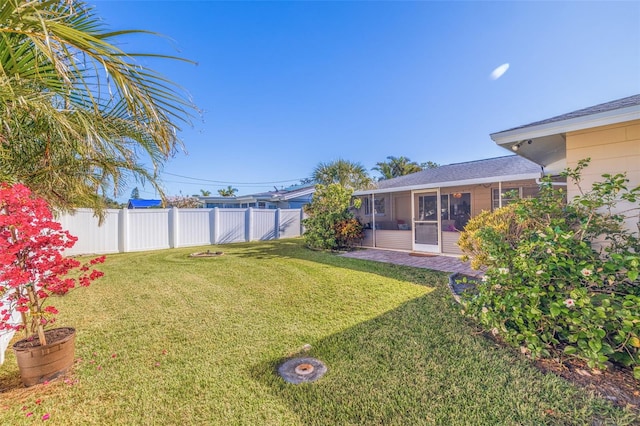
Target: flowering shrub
{"x":32,"y":267}
{"x":548,"y":287}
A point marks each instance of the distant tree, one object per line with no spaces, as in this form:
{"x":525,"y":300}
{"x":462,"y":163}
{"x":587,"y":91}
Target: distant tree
{"x":343,"y":172}
{"x":205,"y":193}
{"x":135,"y":194}
{"x":429,"y":165}
{"x":229,"y":191}
{"x":182,"y":202}
{"x":113,"y":204}
{"x":397,"y":166}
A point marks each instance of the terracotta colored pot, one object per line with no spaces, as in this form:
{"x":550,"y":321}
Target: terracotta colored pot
{"x":41,"y":363}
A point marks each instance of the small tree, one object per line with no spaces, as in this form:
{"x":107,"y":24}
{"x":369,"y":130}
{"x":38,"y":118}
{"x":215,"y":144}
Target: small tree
{"x":32,"y":267}
{"x":331,"y":225}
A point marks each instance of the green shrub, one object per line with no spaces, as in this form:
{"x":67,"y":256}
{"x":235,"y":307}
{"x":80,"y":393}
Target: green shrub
{"x":330,"y":224}
{"x":548,"y":287}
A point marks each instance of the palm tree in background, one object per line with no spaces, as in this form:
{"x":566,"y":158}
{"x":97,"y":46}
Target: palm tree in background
{"x":349,"y":174}
{"x":398,"y":166}
{"x":79,"y":117}
{"x":229,"y":191}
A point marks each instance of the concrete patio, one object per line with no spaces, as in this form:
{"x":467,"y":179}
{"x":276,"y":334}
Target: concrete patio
{"x":417,"y":260}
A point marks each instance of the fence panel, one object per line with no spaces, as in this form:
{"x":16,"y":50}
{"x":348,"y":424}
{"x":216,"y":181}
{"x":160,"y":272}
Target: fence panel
{"x":290,"y":223}
{"x":232,"y":226}
{"x":91,"y":237}
{"x":148,"y":229}
{"x":194,"y":227}
{"x":154,"y":229}
{"x":263,"y":224}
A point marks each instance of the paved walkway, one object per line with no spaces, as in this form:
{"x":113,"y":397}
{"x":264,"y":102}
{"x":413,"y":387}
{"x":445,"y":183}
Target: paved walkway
{"x":437,"y":263}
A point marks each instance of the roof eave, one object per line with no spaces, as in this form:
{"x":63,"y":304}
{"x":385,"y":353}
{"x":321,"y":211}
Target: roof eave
{"x":572,"y":124}
{"x":299,"y":194}
{"x":493,"y":179}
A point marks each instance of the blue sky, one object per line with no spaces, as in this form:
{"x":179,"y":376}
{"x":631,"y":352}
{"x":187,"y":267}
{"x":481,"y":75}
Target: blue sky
{"x":285,"y":85}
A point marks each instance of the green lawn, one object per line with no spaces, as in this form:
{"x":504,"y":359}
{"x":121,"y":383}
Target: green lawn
{"x":168,"y":339}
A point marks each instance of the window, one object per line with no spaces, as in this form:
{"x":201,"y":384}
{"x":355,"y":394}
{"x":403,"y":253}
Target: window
{"x":455,"y":210}
{"x":509,"y":195}
{"x":378,"y":206}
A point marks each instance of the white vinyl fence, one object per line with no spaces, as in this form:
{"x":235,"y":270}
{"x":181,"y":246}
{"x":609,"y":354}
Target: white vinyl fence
{"x":154,"y":229}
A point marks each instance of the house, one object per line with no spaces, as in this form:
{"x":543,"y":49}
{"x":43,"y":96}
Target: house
{"x":138,"y":203}
{"x":424,"y":211}
{"x":608,"y":134}
{"x":294,"y":197}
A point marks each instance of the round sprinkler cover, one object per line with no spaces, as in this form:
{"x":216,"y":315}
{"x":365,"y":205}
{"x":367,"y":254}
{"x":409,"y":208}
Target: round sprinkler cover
{"x":302,"y":370}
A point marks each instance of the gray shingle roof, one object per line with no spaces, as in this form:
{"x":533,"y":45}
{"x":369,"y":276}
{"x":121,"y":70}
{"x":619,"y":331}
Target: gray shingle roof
{"x":481,"y":169}
{"x":596,"y":109}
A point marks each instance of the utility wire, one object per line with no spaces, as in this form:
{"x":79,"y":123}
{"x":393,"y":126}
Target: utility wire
{"x":233,"y":183}
{"x":200,"y":184}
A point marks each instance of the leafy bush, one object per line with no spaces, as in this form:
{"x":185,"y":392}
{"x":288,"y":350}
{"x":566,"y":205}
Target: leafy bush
{"x":348,"y":232}
{"x":561,"y":276}
{"x":330,"y":224}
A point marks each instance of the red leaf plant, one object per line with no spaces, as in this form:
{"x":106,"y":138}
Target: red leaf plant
{"x":32,"y":267}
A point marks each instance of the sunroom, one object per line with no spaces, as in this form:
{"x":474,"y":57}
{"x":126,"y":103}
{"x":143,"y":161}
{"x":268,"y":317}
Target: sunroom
{"x":424,"y":212}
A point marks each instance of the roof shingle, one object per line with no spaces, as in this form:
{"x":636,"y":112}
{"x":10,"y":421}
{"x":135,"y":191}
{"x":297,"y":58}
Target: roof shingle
{"x":596,"y":109}
{"x":481,"y":169}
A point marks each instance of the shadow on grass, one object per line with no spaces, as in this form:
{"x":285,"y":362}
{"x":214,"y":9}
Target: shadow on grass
{"x":295,"y":249}
{"x":419,"y":364}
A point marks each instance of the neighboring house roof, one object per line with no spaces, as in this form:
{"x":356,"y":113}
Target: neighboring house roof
{"x":544,"y":141}
{"x":491,"y":170}
{"x":139,"y":203}
{"x":270,"y":196}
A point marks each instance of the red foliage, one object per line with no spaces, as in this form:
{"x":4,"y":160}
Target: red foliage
{"x":32,"y":266}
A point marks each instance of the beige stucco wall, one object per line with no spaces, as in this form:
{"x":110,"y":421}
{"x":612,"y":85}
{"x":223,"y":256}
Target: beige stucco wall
{"x":612,"y":149}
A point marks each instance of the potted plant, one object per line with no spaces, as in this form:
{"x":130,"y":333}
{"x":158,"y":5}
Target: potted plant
{"x":32,"y":269}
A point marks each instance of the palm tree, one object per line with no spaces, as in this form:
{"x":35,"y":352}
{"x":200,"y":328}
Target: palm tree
{"x":229,"y":191}
{"x":346,"y":173}
{"x":79,"y":117}
{"x":429,"y":165}
{"x":397,"y":166}
{"x":205,"y":193}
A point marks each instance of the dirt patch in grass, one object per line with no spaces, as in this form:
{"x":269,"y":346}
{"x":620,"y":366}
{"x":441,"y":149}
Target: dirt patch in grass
{"x":614,"y":384}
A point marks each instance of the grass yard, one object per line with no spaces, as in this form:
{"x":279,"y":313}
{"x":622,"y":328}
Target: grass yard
{"x":168,"y":339}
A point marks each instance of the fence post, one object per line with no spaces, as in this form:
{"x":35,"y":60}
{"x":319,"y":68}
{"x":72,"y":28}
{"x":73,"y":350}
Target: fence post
{"x":249,"y":225}
{"x":276,"y":234}
{"x":173,"y":227}
{"x":212,"y":225}
{"x":123,"y":230}
{"x":215,"y":225}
